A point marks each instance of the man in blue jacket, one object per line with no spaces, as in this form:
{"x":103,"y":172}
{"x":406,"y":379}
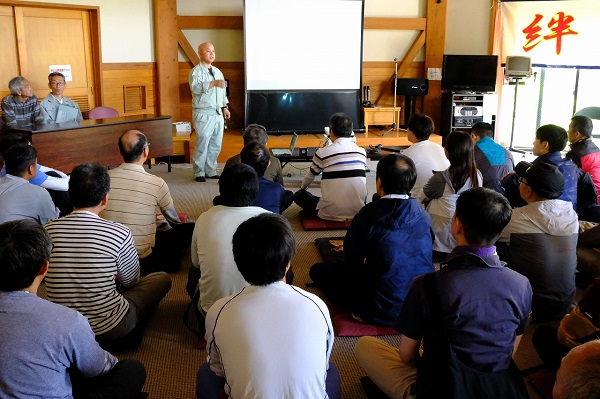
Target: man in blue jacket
{"x":579,"y":189}
{"x":387,"y":245}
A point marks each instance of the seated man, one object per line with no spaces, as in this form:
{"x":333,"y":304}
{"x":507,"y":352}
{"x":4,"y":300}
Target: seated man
{"x":541,"y":239}
{"x":586,"y":155}
{"x":53,"y":106}
{"x":493,"y":160}
{"x":20,"y":108}
{"x":135,"y":195}
{"x":18,"y":198}
{"x":94,"y":267}
{"x":579,"y":326}
{"x":379,"y":265}
{"x":579,"y":373}
{"x":213,"y":269}
{"x":48,"y":350}
{"x":484,"y":310}
{"x":344,"y":183}
{"x":270,"y":340}
{"x":579,"y":190}
{"x":271,"y":195}
{"x":55,"y":181}
{"x":258,"y":133}
{"x":427,"y":155}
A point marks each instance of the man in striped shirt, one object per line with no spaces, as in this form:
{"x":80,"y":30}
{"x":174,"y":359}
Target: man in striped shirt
{"x":94,"y":267}
{"x":134,"y":197}
{"x":344,"y":182}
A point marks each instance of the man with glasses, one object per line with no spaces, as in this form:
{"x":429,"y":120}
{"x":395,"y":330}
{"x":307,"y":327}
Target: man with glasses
{"x":209,"y":111}
{"x":542,"y":239}
{"x":134,"y":196}
{"x":56,"y":107}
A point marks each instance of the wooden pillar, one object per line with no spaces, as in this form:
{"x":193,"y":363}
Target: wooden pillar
{"x":434,"y":52}
{"x":166,"y":52}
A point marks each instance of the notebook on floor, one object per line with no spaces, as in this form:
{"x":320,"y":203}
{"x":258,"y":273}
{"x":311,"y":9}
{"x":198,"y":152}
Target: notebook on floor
{"x":286,"y":151}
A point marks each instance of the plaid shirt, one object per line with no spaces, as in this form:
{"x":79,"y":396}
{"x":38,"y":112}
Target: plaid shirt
{"x":18,"y":114}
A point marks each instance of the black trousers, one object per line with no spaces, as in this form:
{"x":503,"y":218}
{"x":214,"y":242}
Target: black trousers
{"x":124,"y":381}
{"x":169,"y":247}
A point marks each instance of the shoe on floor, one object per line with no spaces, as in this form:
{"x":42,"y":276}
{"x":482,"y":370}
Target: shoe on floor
{"x":200,"y":179}
{"x":213,"y":177}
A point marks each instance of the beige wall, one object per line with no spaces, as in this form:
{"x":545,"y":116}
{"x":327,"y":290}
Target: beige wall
{"x":127,"y":34}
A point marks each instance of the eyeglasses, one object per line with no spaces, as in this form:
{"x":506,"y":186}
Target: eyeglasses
{"x":522,"y":180}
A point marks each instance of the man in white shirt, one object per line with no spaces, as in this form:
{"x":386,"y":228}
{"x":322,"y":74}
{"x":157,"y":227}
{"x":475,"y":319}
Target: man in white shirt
{"x":213,"y":268}
{"x":427,"y":155}
{"x":270,"y":340}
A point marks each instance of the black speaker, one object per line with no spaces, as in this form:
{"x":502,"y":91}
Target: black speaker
{"x":411,"y":86}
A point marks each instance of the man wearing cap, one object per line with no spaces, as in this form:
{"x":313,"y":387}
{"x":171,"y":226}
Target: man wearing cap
{"x":542,"y":239}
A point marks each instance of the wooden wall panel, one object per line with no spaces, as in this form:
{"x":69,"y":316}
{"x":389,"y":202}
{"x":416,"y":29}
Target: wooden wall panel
{"x":115,"y":76}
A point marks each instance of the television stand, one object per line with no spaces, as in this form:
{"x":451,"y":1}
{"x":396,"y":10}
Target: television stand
{"x":461,"y":110}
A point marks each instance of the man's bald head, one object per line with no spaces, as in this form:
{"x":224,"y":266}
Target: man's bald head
{"x":579,"y":374}
{"x":206,"y":51}
{"x":132,"y":144}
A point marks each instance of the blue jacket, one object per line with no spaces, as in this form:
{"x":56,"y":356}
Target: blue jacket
{"x":388,"y":244}
{"x":269,"y":195}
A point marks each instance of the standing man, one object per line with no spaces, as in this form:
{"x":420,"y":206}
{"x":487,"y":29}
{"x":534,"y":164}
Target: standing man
{"x":209,"y":104}
{"x":20,"y":108}
{"x":51,"y":105}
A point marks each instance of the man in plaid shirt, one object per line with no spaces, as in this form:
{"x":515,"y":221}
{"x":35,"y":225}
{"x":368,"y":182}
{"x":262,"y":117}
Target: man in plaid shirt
{"x":20,"y":108}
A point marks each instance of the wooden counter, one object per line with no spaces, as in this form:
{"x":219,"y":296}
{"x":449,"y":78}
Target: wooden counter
{"x":64,"y":145}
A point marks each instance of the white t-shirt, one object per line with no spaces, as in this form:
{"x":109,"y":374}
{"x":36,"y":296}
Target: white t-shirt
{"x":269,"y":342}
{"x":212,"y":251}
{"x":427,"y":156}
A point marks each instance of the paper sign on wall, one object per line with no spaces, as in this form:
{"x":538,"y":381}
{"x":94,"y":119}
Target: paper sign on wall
{"x":64,"y":69}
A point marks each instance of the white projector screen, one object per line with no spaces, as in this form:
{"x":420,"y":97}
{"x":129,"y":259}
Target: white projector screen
{"x":303,"y":44}
{"x":303,"y":62}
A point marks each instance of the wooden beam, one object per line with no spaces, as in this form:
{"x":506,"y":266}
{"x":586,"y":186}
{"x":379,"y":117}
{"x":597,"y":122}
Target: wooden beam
{"x":166,"y":54}
{"x":210,"y":22}
{"x":411,"y":54}
{"x":237,"y":22}
{"x":395,"y":23}
{"x":187,"y":48}
{"x":21,"y":45}
{"x":434,"y":53}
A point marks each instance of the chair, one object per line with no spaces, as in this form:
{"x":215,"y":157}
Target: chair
{"x":103,"y":112}
{"x":592,"y":113}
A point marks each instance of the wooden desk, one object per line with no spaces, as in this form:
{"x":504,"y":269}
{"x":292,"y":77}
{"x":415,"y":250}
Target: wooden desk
{"x":381,"y":116}
{"x":64,"y":145}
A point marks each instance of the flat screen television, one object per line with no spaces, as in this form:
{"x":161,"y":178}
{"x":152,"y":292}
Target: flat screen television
{"x":471,"y":73}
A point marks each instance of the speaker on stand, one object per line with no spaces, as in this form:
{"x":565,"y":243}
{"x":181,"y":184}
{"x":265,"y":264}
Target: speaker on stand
{"x":411,"y":88}
{"x":517,"y":67}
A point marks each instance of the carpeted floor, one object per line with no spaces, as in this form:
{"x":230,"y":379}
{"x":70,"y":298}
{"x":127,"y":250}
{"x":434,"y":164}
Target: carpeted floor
{"x":169,"y":349}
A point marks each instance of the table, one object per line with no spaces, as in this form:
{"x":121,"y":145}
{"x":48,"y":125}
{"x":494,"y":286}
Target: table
{"x":298,"y":155}
{"x":381,"y":116}
{"x":62,"y":146}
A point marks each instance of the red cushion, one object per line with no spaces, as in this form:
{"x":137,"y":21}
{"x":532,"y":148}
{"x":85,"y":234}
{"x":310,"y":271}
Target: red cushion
{"x":346,"y":326}
{"x":314,"y":223}
{"x":183,"y":217}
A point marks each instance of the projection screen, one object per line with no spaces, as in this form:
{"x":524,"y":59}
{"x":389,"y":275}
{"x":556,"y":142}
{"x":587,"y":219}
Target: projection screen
{"x":303,"y":62}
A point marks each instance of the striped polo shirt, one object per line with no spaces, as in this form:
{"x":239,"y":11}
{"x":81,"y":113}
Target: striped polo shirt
{"x":89,"y":254}
{"x":134,"y":196}
{"x":344,"y":182}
